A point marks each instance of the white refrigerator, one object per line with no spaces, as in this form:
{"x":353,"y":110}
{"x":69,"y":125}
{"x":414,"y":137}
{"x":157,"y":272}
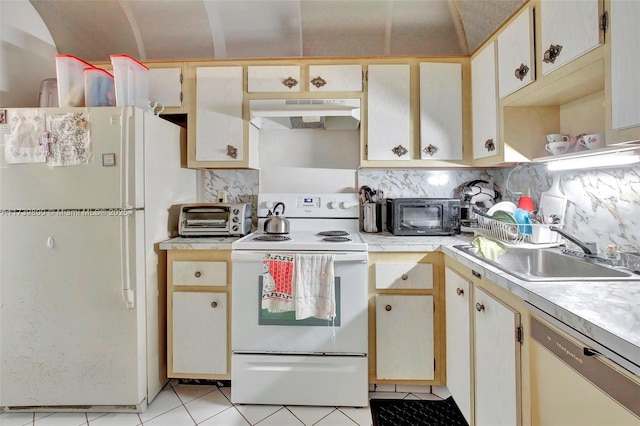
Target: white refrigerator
{"x":82,"y":279}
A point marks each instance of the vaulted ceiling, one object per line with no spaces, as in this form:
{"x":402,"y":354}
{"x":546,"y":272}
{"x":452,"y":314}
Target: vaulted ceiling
{"x":206,"y":29}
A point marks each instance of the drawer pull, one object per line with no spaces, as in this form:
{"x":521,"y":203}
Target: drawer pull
{"x":476,"y":274}
{"x":318,"y":82}
{"x":198,"y":274}
{"x":399,"y":150}
{"x":290,"y":82}
{"x":387,"y":308}
{"x":459,"y":291}
{"x":214,"y":304}
{"x":479,"y":307}
{"x":404,"y":277}
{"x":490,"y":145}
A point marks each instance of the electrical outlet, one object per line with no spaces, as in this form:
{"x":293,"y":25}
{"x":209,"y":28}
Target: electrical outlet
{"x":222,"y":195}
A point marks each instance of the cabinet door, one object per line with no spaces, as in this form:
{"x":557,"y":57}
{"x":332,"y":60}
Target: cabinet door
{"x":516,"y":65}
{"x":484,"y":103}
{"x":625,"y":62}
{"x":165,"y":86}
{"x":199,"y":333}
{"x":497,"y":359}
{"x":388,"y":120}
{"x":404,"y":337}
{"x":458,"y":337}
{"x":273,"y":78}
{"x":440,"y":111}
{"x":335,"y":78}
{"x":219,"y":124}
{"x":572,"y":27}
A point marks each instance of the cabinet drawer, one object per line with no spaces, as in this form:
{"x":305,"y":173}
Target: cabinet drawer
{"x":335,"y":78}
{"x":284,"y":78}
{"x":199,"y":273}
{"x":404,"y":275}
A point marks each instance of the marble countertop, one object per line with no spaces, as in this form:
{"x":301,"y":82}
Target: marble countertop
{"x":385,"y":241}
{"x":198,"y":243}
{"x":605,"y":311}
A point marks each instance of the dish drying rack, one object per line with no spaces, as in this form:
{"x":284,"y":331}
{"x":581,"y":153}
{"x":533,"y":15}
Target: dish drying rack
{"x":512,"y":234}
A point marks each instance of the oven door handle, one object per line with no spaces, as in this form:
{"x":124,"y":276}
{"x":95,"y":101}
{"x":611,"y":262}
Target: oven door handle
{"x":248,"y":256}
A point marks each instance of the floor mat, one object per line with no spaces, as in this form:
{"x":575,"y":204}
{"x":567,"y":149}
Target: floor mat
{"x":410,"y":412}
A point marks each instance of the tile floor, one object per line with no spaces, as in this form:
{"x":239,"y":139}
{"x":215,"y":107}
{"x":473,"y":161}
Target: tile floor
{"x":187,"y":405}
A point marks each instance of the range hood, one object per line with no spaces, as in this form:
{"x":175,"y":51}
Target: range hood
{"x":326,"y":114}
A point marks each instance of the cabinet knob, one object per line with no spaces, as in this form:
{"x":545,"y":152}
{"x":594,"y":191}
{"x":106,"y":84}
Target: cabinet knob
{"x":479,"y":307}
{"x":404,"y":277}
{"x":290,"y":82}
{"x":430,"y":150}
{"x":521,"y":72}
{"x":459,"y":291}
{"x":318,"y":82}
{"x":490,"y":145}
{"x":551,"y":54}
{"x":399,"y":150}
{"x":214,"y":304}
{"x":387,"y":308}
{"x":232,"y":151}
{"x":198,"y":274}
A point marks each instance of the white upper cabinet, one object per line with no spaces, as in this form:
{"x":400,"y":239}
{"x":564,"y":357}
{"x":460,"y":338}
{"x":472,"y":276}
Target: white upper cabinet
{"x":484,"y":103}
{"x":219,"y":124}
{"x":165,"y":86}
{"x":388,"y":120}
{"x":273,"y":78}
{"x":516,"y":57}
{"x":335,"y":78}
{"x":440,"y":111}
{"x":625,"y":63}
{"x":569,"y":29}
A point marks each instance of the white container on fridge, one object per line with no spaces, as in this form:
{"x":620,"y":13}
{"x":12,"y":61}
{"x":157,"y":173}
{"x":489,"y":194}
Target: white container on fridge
{"x":132,"y":81}
{"x":70,"y":73}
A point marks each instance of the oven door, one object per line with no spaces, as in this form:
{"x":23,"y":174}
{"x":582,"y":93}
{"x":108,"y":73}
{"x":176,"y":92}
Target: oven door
{"x":254,"y":330}
{"x":420,"y":218}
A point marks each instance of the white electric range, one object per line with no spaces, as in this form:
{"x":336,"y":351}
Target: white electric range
{"x":277,"y":359}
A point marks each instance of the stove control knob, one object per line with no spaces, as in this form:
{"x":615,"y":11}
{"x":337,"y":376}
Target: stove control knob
{"x":347,"y":205}
{"x":333,"y":204}
{"x":235,"y":219}
{"x":269,"y":204}
{"x":235,"y":228}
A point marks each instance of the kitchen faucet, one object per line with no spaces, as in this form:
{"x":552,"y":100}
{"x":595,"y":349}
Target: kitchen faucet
{"x":585,"y":248}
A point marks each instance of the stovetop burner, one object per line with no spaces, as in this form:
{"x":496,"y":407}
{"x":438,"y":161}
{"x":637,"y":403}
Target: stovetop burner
{"x":337,"y":239}
{"x":333,"y":233}
{"x":272,"y":238}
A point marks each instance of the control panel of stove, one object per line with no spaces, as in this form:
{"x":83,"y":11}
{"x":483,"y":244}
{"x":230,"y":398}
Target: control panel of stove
{"x":343,"y":205}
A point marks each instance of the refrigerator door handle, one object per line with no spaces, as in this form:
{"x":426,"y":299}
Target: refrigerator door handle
{"x":128,"y":294}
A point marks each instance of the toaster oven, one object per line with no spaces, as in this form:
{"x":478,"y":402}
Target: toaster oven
{"x":215,"y":219}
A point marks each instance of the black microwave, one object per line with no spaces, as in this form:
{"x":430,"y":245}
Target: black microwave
{"x":423,"y":216}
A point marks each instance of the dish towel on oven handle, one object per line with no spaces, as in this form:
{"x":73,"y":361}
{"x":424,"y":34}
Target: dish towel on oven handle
{"x":315,"y":286}
{"x":277,"y":282}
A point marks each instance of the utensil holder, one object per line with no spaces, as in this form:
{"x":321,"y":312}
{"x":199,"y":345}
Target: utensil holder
{"x":372,"y":217}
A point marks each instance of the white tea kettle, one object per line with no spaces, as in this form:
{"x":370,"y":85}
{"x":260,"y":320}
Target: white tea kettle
{"x":276,"y":223}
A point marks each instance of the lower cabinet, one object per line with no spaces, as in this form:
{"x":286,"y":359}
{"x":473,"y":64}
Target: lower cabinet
{"x":484,"y":349}
{"x":405,"y":316}
{"x":404,"y":337}
{"x":198,"y":314}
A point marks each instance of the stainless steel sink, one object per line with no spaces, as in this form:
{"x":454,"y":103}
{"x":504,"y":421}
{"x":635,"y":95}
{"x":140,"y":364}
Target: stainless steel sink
{"x":551,"y":265}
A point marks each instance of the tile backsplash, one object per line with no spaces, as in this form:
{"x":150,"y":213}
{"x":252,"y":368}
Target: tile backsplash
{"x":604,"y":204}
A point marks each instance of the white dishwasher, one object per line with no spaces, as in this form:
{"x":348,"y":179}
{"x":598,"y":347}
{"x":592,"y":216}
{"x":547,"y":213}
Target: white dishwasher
{"x":578,"y":383}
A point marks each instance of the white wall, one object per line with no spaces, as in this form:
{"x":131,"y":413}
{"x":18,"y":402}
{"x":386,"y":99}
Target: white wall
{"x":27,"y":54}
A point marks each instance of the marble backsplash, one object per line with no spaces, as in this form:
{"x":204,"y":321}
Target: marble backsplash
{"x":604,"y":204}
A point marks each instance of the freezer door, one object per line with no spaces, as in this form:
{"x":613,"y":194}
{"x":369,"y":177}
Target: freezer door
{"x":98,"y":184}
{"x":67,"y":336}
